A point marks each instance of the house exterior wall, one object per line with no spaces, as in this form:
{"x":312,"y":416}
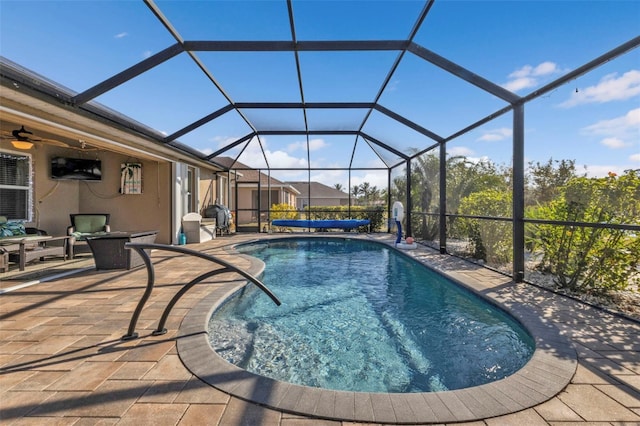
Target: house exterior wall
{"x":247,"y":199}
{"x":302,"y":202}
{"x":55,"y":200}
{"x":288,"y":198}
{"x":244,"y":202}
{"x":208,"y":190}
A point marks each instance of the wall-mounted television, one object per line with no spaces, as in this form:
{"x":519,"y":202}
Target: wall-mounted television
{"x":76,"y":168}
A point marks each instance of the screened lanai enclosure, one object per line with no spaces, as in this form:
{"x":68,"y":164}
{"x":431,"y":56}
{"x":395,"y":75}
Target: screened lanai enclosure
{"x":509,"y":133}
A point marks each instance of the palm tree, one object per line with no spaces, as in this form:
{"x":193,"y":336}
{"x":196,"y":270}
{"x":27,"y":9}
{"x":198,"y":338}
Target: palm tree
{"x":425,"y":184}
{"x":338,"y":186}
{"x":355,"y":193}
{"x":365,"y":191}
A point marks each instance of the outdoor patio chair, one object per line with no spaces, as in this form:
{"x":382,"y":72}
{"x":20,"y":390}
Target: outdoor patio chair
{"x":84,"y":226}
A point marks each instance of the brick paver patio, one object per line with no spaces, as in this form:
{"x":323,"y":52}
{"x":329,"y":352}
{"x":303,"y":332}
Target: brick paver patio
{"x":63,"y":361}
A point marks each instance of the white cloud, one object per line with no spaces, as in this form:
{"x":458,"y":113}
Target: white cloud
{"x":220,"y":142}
{"x":545,"y":68}
{"x":496,"y":135}
{"x":281,"y":159}
{"x":331,"y":177}
{"x":378,"y":180}
{"x":314,"y":145}
{"x":529,"y":76}
{"x":121,"y":35}
{"x":252,"y":156}
{"x":146,"y":54}
{"x":594,"y":170}
{"x":520,"y":83}
{"x":468,"y":154}
{"x":635,"y":158}
{"x":289,"y":175}
{"x":610,"y":88}
{"x":522,"y":72}
{"x":477,"y":160}
{"x":296,"y":146}
{"x":460,"y":150}
{"x":619,"y":132}
{"x":614,"y":143}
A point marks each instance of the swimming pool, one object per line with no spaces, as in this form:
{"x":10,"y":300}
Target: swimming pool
{"x":359,"y":316}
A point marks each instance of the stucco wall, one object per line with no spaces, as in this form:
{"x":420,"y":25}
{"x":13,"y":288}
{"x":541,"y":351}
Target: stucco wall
{"x":208,"y":190}
{"x":301,"y":201}
{"x":54,"y":200}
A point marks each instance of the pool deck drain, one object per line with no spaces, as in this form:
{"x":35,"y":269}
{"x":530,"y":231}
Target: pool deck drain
{"x":62,"y":361}
{"x":546,"y":374}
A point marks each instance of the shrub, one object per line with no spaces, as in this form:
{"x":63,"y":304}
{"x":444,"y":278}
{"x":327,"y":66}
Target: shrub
{"x":283,"y":211}
{"x":584,"y":258}
{"x":425,"y":227}
{"x":491,"y":240}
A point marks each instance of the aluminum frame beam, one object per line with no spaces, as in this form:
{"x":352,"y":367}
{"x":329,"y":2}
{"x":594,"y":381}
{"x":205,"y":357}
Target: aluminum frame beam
{"x":291,"y":46}
{"x":463,"y":73}
{"x":198,"y":123}
{"x":128,"y":74}
{"x":231,"y":145}
{"x":518,"y":194}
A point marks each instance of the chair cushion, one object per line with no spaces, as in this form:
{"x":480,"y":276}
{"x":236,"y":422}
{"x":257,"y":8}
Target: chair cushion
{"x":89,"y":223}
{"x":12,"y":228}
{"x":82,"y":236}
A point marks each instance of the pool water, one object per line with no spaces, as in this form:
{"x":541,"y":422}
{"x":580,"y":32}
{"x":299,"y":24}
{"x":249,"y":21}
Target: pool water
{"x":359,"y":316}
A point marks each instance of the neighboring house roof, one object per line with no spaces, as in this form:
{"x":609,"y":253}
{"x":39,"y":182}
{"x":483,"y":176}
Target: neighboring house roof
{"x":248,"y":175}
{"x":318,"y":190}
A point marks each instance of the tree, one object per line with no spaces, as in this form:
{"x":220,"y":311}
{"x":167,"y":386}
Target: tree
{"x":365,"y":194}
{"x":355,"y":193}
{"x":338,"y":186}
{"x":547,"y":179}
{"x":425,"y":186}
{"x":399,"y":189}
{"x":464,"y":177}
{"x":365,"y":188}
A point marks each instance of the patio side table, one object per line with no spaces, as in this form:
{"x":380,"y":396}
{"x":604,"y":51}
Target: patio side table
{"x":109,"y":252}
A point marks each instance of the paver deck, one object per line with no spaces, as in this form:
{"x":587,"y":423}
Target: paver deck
{"x":62,"y":360}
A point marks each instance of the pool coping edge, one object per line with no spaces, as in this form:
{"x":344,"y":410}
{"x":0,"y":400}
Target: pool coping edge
{"x":547,"y":373}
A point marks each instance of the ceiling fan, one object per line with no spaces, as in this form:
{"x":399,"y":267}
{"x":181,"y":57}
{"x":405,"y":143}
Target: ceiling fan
{"x":23,"y":139}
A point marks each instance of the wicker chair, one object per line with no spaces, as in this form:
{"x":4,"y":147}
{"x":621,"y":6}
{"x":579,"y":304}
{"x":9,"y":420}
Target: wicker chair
{"x":83,"y":226}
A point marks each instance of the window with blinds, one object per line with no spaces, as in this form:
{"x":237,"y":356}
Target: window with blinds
{"x":16,"y":190}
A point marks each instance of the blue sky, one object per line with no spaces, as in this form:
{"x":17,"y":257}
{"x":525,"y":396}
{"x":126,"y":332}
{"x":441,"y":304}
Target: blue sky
{"x":520,"y":45}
